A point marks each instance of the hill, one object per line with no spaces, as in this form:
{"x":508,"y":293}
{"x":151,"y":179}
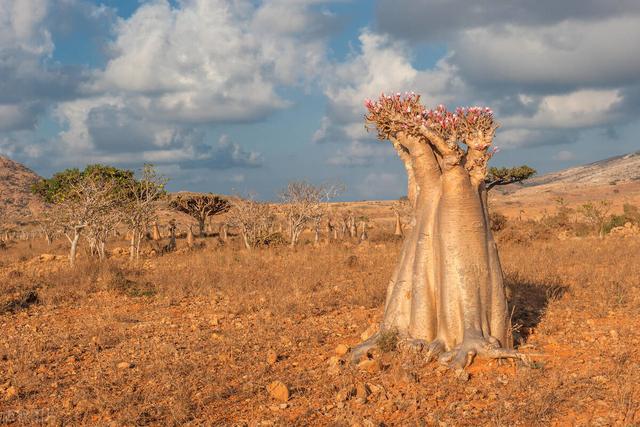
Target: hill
{"x":616,"y":179}
{"x":625,"y":168}
{"x":16,"y":200}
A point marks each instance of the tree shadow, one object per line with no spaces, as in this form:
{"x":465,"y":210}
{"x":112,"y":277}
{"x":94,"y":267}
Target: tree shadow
{"x":528,"y":302}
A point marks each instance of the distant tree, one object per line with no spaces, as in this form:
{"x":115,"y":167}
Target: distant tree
{"x":505,"y":176}
{"x":304,"y":205}
{"x":254,"y":219}
{"x":86,"y":201}
{"x":200,"y":206}
{"x":596,"y":214}
{"x":141,"y":207}
{"x":48,"y":224}
{"x":400,"y":208}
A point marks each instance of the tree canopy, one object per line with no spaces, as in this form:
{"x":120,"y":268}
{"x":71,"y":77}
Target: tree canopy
{"x":504,"y":176}
{"x":60,"y":185}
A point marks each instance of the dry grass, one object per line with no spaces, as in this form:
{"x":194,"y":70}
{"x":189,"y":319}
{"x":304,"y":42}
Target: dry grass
{"x":196,"y":328}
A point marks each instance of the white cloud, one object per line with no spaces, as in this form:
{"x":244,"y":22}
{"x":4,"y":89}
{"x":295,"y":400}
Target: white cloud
{"x":582,"y":108}
{"x":381,"y":65}
{"x":567,"y":54}
{"x":213,"y":60}
{"x":21,"y":26}
{"x":108,"y":130}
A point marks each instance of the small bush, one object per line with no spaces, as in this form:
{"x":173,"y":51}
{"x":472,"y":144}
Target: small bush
{"x":613,"y":222}
{"x":387,"y":341}
{"x":497,"y":221}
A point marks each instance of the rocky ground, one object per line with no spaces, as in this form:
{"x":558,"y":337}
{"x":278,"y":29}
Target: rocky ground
{"x":222,"y":336}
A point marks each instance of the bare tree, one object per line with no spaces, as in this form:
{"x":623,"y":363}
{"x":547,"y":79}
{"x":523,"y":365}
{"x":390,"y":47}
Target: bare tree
{"x":200,"y":206}
{"x":86,"y":202}
{"x":304,"y":205}
{"x":49,"y":225}
{"x":400,"y":209}
{"x":141,"y":207}
{"x":254,"y":219}
{"x":102,"y":224}
{"x":83,"y":206}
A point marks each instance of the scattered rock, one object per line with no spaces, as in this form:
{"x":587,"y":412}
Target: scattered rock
{"x":462,"y":375}
{"x":341,"y":350}
{"x":369,"y":365}
{"x":334,"y":365}
{"x":47,"y":257}
{"x":614,"y":334}
{"x":362,"y":392}
{"x":10,"y":393}
{"x":345,"y":394}
{"x":272,"y":357}
{"x":125,"y":365}
{"x":278,"y":390}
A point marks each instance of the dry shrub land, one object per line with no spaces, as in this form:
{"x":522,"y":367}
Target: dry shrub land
{"x":202,"y":336}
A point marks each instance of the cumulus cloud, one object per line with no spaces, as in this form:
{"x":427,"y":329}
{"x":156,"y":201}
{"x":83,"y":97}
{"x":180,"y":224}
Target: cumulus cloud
{"x":437,"y":20}
{"x":109,"y":130}
{"x":210,"y":61}
{"x":172,"y":71}
{"x":381,"y":65}
{"x":31,"y":80}
{"x":563,"y":56}
{"x":550,"y":70}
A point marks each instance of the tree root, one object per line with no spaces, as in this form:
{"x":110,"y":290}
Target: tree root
{"x":458,"y":358}
{"x":463,"y":355}
{"x":363,"y":348}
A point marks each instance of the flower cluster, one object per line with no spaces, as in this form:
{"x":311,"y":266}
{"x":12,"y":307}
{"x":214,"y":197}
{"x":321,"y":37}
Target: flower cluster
{"x":394,"y":113}
{"x":404,"y":112}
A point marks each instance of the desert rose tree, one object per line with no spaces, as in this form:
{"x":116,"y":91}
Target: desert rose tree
{"x":446,"y":294}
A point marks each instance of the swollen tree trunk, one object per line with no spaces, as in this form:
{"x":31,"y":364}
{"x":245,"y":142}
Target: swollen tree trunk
{"x":447,"y":293}
{"x":223,"y":232}
{"x":189,"y":238}
{"x":398,"y":229}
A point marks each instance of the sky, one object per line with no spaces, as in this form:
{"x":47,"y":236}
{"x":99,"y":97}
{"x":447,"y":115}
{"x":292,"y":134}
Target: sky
{"x":243,"y":96}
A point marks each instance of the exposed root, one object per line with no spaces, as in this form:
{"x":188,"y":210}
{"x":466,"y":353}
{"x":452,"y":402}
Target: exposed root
{"x":363,"y":348}
{"x":463,"y":355}
{"x":458,"y":358}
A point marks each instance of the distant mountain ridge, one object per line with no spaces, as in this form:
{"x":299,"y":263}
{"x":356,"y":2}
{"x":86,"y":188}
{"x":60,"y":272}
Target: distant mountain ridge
{"x":16,"y":200}
{"x":616,"y":169}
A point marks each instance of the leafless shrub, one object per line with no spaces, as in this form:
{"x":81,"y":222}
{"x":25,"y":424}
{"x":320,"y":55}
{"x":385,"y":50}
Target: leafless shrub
{"x":255,"y":220}
{"x":304,"y":205}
